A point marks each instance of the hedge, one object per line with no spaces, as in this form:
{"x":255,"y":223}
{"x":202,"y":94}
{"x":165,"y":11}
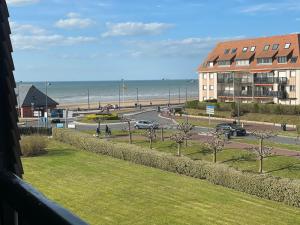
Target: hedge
{"x":248,"y":107}
{"x":264,"y":186}
{"x":109,"y":116}
{"x":35,"y":130}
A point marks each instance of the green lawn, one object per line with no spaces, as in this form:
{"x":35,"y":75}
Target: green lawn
{"x":282,"y":166}
{"x":103,"y":190}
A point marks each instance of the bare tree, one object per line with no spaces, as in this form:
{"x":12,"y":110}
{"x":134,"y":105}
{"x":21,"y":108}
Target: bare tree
{"x":185,"y":128}
{"x":151,"y":135}
{"x":216,"y":143}
{"x":179,"y":139}
{"x":261,"y":150}
{"x":127,"y":120}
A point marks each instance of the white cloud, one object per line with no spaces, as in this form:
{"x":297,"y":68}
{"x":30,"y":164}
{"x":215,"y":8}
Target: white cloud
{"x":135,"y":28}
{"x":21,"y":2}
{"x":271,"y":7}
{"x":26,"y":36}
{"x":188,"y":47}
{"x":74,"y":20}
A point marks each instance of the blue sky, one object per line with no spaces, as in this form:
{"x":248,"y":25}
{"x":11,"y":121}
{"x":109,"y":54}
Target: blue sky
{"x":65,"y":40}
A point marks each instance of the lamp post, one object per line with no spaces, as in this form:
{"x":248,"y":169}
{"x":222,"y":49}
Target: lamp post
{"x":46,"y":115}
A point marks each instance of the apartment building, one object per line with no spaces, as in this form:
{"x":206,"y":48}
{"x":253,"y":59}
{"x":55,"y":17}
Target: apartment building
{"x":261,"y":70}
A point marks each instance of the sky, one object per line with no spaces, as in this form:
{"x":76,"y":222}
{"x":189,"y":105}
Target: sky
{"x":77,"y":40}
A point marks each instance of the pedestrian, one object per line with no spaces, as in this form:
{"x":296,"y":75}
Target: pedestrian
{"x":98,"y":131}
{"x":107,"y":130}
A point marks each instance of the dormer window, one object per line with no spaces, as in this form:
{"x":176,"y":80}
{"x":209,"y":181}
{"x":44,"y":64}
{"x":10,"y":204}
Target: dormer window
{"x":252,"y":48}
{"x":275,"y":46}
{"x":294,"y":59}
{"x":264,"y":61}
{"x":211,"y":64}
{"x":287,"y":45}
{"x":233,"y":51}
{"x":245,"y":49}
{"x":226,"y":51}
{"x":224,"y":62}
{"x":282,"y":59}
{"x":242,"y":62}
{"x":266,"y":48}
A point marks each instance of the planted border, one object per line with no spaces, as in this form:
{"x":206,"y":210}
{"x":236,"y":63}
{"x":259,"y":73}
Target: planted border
{"x":264,"y":186}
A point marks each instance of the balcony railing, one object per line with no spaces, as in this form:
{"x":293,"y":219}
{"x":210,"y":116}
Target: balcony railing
{"x":270,"y":80}
{"x":32,"y":207}
{"x":225,"y":80}
{"x":270,"y":94}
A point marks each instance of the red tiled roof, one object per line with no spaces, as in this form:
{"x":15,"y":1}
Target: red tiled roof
{"x":245,"y":55}
{"x":226,"y":57}
{"x":285,"y":52}
{"x":266,"y":54}
{"x":259,"y":43}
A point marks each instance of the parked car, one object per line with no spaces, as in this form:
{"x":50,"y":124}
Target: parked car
{"x":145,"y":124}
{"x":233,"y":129}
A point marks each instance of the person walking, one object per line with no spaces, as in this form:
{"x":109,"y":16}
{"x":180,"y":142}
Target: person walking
{"x":98,"y":131}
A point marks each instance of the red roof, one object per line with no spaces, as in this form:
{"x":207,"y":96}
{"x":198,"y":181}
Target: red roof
{"x":259,"y":44}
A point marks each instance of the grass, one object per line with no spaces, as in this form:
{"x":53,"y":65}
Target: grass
{"x":244,"y":160}
{"x":291,"y":147}
{"x":103,"y":190}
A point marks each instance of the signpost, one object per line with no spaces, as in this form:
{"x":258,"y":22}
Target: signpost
{"x":210,"y":110}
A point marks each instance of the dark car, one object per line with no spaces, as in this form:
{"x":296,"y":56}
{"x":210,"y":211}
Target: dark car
{"x":233,"y":129}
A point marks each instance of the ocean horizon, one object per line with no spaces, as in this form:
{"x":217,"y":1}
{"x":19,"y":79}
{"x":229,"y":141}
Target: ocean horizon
{"x":65,"y":92}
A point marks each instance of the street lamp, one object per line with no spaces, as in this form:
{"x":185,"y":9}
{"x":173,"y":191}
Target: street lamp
{"x":46,"y":114}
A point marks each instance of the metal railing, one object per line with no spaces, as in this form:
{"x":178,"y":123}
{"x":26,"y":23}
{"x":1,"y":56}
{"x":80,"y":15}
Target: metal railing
{"x":270,"y":80}
{"x":32,"y":207}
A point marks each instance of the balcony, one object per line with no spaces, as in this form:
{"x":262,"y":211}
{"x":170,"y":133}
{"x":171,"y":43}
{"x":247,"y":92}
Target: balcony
{"x":270,"y":80}
{"x":226,"y":80}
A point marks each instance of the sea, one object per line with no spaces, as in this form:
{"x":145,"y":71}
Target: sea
{"x":127,"y":90}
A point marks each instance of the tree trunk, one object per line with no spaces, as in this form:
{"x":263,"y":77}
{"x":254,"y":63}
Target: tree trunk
{"x":261,"y":164}
{"x":162,"y":134}
{"x":186,"y":142}
{"x":150,"y":143}
{"x":215,"y":156}
{"x":261,"y":155}
{"x":178,"y":149}
{"x":130,"y":135}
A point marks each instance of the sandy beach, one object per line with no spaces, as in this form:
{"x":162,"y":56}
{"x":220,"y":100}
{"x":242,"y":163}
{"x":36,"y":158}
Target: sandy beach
{"x":128,"y":103}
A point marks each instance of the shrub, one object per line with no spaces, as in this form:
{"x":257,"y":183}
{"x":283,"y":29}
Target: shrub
{"x":264,"y":186}
{"x":35,"y":130}
{"x":109,"y":116}
{"x":33,"y":145}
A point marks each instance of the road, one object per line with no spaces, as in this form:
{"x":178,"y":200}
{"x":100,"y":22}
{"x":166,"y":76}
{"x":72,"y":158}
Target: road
{"x":153,"y":115}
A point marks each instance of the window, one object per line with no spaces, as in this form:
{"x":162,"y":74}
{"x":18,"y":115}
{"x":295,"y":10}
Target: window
{"x":211,"y":76}
{"x":293,"y":73}
{"x":224,"y":62}
{"x":253,"y":48}
{"x":292,"y":87}
{"x":204,"y":76}
{"x":282,"y":59}
{"x":287,"y":45}
{"x":245,"y":49}
{"x":275,"y":46}
{"x":233,"y":51}
{"x":266,"y":48}
{"x":240,"y":62}
{"x":204,"y":87}
{"x":294,"y":59}
{"x":226,"y":51}
{"x":211,"y":87}
{"x":211,"y":64}
{"x":264,"y":61}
